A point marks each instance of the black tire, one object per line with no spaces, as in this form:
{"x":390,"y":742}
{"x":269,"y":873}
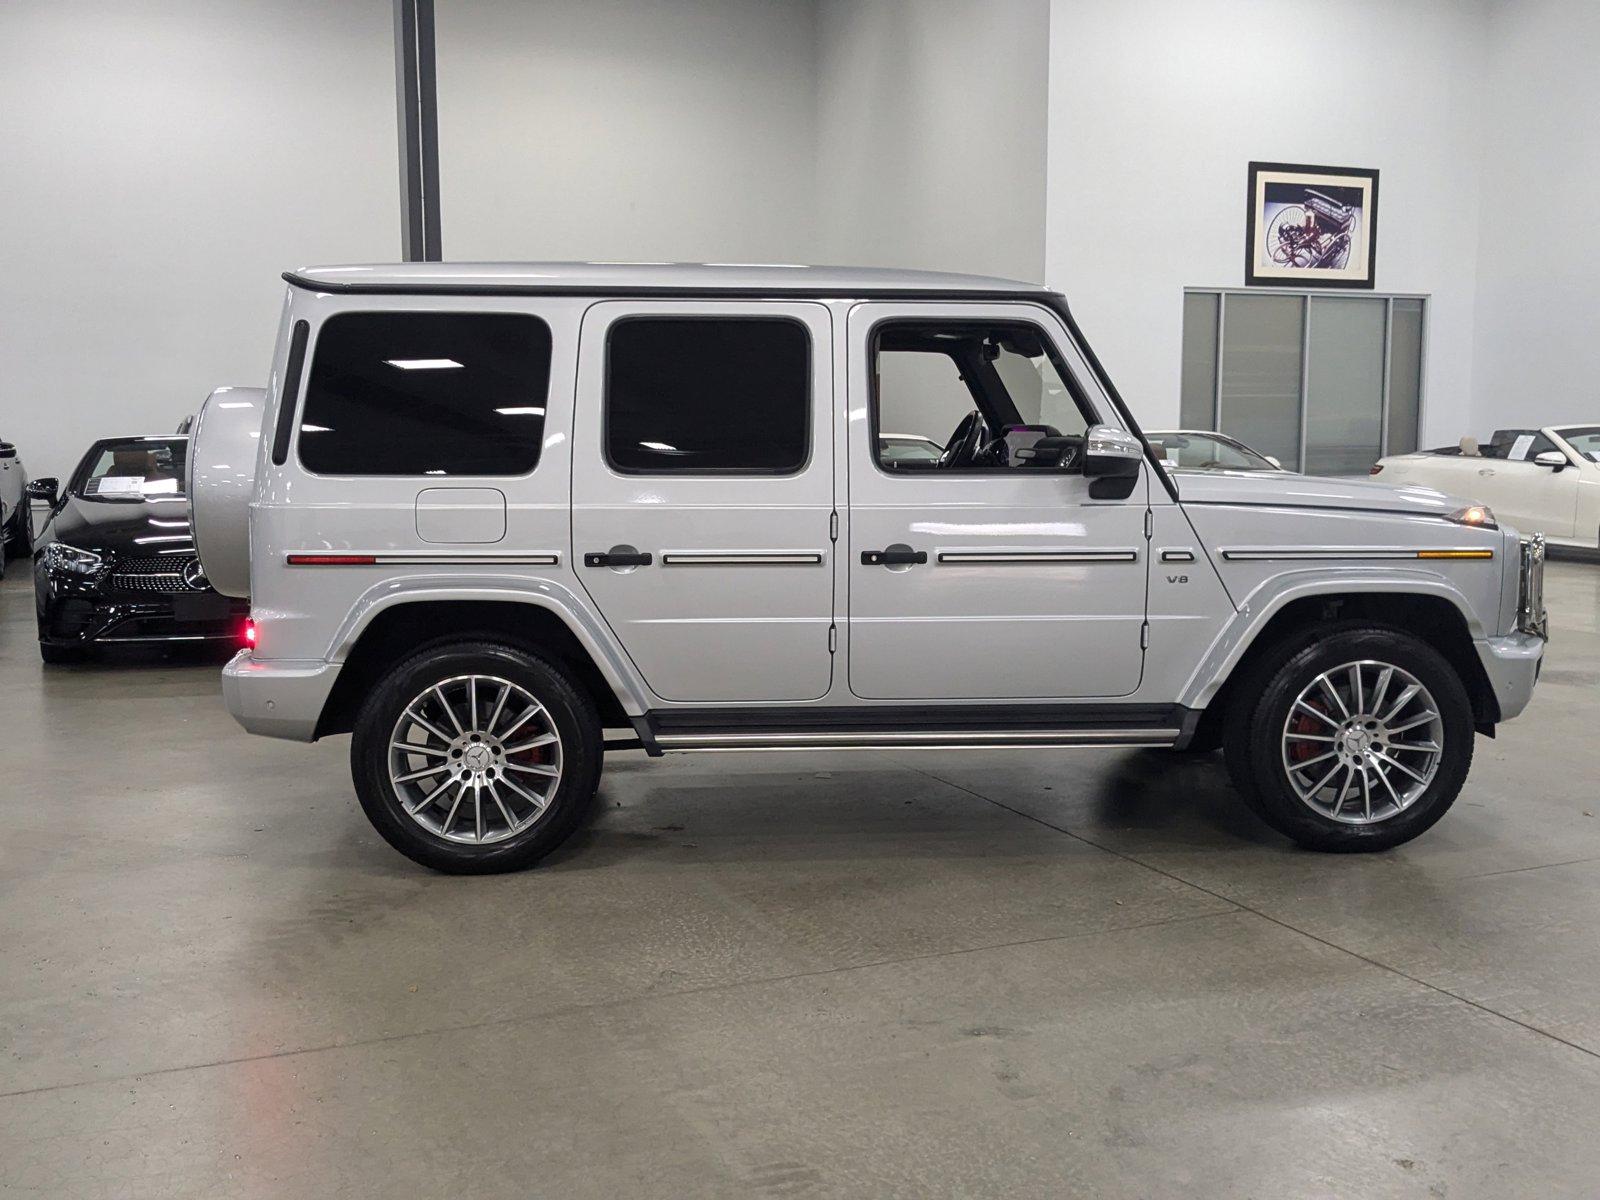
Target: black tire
{"x":571,"y":711}
{"x":1261,"y":708}
{"x":60,"y":655}
{"x":19,"y":538}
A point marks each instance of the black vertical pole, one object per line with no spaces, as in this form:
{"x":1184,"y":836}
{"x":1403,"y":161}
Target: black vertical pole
{"x":416,"y":95}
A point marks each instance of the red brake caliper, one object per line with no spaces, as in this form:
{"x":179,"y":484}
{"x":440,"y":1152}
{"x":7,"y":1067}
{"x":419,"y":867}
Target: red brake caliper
{"x":1307,"y":724}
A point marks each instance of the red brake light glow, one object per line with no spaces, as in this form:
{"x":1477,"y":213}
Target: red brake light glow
{"x":250,"y":634}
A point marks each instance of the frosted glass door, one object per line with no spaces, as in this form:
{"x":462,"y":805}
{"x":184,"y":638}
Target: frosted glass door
{"x":1344,"y":385}
{"x":1261,"y":373}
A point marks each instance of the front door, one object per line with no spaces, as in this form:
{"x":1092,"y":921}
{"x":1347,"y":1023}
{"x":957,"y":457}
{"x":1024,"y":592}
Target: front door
{"x":974,"y":572}
{"x":702,"y":494}
{"x":1522,"y":493}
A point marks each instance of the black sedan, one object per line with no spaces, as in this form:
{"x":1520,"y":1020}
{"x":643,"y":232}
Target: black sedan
{"x":116,"y":561}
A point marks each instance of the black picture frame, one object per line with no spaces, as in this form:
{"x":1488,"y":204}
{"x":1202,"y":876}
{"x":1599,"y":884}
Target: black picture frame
{"x":1338,"y":212}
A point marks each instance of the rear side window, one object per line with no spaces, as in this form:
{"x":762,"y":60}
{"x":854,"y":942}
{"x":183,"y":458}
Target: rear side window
{"x":395,"y":393}
{"x":699,"y":395}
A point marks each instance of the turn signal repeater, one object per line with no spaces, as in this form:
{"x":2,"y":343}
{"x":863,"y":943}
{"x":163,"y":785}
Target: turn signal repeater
{"x":1477,"y":515}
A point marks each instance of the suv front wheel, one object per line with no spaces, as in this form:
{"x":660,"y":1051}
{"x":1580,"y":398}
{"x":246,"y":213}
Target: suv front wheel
{"x":1357,"y":740}
{"x":474,"y":757}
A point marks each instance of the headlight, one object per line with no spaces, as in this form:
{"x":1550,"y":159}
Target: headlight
{"x":1478,"y":516}
{"x":69,"y":560}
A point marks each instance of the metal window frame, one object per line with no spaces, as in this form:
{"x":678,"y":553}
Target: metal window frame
{"x":1305,"y":295}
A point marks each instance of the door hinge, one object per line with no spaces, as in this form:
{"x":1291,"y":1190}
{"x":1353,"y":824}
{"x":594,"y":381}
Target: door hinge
{"x":1149,"y":524}
{"x":1144,"y":636}
{"x":833,"y":526}
{"x":833,"y":638}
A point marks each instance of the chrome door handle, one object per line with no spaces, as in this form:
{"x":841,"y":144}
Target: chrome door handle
{"x":636,"y":558}
{"x":893,"y":558}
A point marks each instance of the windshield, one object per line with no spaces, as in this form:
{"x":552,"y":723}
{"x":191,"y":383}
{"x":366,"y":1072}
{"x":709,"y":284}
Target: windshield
{"x":1585,"y":440}
{"x":133,"y":469}
{"x":1198,"y":452}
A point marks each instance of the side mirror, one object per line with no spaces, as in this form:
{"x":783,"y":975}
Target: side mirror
{"x":1112,"y":459}
{"x":7,"y":450}
{"x":43,"y":489}
{"x":1111,"y":453}
{"x":1553,"y":459}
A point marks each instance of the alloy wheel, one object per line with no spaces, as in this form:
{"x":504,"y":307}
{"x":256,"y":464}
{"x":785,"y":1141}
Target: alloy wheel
{"x":475,"y":759}
{"x":1362,"y":742}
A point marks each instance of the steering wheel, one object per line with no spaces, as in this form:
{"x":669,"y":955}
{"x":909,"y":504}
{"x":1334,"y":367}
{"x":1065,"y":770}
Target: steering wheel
{"x":971,"y":435}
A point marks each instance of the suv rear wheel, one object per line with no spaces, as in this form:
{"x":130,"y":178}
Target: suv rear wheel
{"x":1357,"y":740}
{"x":474,"y":757}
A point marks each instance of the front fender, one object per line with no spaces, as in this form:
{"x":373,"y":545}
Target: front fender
{"x":1272,"y":594}
{"x":595,"y":638}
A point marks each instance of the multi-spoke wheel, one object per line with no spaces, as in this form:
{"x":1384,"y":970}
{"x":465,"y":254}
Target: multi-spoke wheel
{"x":476,"y":757}
{"x":1362,"y":742}
{"x":1357,"y":739}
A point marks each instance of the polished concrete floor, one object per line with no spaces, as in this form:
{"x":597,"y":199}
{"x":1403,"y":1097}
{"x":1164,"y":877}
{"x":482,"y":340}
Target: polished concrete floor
{"x":980,"y":974}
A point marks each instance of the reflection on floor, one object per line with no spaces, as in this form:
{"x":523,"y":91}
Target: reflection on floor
{"x":941,"y":974}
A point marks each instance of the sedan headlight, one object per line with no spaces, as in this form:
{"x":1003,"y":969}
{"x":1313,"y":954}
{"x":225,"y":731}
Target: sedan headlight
{"x":69,"y":560}
{"x":1479,"y":516}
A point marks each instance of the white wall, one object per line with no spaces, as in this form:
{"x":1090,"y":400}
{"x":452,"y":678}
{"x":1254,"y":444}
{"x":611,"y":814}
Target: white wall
{"x":675,"y":130}
{"x":1157,"y":107}
{"x":931,"y":134}
{"x":1538,"y":320}
{"x":162,"y":163}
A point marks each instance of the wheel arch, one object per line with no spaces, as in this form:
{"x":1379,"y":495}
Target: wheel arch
{"x":1428,"y":609}
{"x":548,"y":621}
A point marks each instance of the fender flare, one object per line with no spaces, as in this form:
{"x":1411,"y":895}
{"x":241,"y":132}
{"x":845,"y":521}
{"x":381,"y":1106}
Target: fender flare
{"x":596,"y":639}
{"x":1235,"y":638}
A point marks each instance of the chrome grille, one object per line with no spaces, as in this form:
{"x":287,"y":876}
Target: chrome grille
{"x":1531,"y":615}
{"x":160,"y":575}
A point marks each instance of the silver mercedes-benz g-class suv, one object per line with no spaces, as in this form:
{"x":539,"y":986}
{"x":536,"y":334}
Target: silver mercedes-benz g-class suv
{"x":486,"y":512}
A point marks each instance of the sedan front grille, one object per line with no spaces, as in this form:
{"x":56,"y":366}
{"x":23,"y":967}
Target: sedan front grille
{"x":1531,"y":615}
{"x":160,"y":575}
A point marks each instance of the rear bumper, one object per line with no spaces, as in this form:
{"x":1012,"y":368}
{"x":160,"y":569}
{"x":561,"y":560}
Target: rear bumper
{"x":281,"y":698}
{"x":1512,"y":664}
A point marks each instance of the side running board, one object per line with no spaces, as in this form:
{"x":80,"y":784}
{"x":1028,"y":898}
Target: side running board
{"x":919,"y":727}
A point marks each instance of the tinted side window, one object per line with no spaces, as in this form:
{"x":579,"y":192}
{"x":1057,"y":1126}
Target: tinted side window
{"x":396,"y":393}
{"x":708,"y":395}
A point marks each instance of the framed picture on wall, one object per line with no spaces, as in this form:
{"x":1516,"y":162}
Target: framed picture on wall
{"x":1310,"y":226}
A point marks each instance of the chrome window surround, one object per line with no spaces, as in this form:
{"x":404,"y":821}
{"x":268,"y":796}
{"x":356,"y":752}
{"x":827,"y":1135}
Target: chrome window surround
{"x":1531,"y":614}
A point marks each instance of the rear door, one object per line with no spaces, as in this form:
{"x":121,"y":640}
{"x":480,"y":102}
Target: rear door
{"x":987,"y":579}
{"x":702,"y":494}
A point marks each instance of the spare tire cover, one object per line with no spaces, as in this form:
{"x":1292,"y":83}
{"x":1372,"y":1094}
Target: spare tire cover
{"x":223,"y":449}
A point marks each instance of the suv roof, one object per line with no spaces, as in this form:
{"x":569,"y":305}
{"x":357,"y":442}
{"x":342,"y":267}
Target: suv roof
{"x":614,"y":278}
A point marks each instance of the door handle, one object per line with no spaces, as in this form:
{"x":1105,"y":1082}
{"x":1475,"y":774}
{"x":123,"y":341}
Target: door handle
{"x":1485,"y":470}
{"x":606,"y":558}
{"x":893,"y":558}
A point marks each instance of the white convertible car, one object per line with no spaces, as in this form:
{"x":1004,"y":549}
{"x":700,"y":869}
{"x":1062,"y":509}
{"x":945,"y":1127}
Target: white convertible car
{"x":1538,"y":480}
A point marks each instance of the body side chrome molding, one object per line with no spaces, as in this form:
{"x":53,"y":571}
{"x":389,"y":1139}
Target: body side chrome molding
{"x":1384,"y":553}
{"x":426,"y":558}
{"x":742,"y":558}
{"x":962,"y":558}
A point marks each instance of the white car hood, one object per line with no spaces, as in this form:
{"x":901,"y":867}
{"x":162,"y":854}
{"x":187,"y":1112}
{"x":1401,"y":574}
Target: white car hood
{"x":1309,"y":491}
